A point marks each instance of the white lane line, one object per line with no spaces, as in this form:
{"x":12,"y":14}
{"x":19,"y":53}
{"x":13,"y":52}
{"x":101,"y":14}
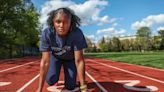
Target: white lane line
{"x":143,"y":76}
{"x":98,"y":84}
{"x":4,"y":83}
{"x":27,"y":84}
{"x":15,"y":67}
{"x":135,"y":65}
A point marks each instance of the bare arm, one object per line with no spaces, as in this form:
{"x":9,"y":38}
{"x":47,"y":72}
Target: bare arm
{"x":80,"y":64}
{"x":44,"y":64}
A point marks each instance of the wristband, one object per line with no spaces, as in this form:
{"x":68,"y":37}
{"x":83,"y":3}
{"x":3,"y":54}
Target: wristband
{"x":83,"y":88}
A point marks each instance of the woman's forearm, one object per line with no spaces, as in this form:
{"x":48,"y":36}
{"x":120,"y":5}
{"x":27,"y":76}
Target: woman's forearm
{"x":43,"y":72}
{"x":81,"y":71}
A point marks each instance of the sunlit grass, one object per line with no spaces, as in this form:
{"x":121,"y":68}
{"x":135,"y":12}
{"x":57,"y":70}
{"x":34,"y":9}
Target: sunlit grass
{"x":152,"y":59}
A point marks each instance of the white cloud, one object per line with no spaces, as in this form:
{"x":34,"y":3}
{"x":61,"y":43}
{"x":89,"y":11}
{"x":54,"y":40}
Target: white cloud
{"x":88,"y":11}
{"x":160,"y":28}
{"x":115,"y":24}
{"x":113,"y":20}
{"x":120,"y":32}
{"x":110,"y":32}
{"x":122,"y":35}
{"x":91,"y":36}
{"x":148,"y":21}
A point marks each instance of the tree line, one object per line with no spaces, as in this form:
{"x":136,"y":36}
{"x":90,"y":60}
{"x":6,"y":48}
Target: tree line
{"x":18,"y":28}
{"x":143,"y":41}
{"x":19,"y":33}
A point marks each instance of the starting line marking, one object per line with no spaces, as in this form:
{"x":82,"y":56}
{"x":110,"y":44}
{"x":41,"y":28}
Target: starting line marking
{"x":60,"y":88}
{"x":130,"y":84}
{"x":98,"y":84}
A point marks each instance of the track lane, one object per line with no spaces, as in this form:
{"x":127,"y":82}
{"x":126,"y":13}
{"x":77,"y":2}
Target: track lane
{"x":9,"y":63}
{"x":105,"y":76}
{"x":18,"y":76}
{"x":91,"y":85}
{"x":150,"y":72}
{"x":110,"y":75}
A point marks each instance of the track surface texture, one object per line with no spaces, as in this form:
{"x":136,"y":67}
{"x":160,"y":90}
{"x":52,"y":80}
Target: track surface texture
{"x":21,"y":75}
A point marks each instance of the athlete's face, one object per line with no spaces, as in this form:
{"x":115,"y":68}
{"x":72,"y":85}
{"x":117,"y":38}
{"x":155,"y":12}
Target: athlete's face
{"x":62,"y":24}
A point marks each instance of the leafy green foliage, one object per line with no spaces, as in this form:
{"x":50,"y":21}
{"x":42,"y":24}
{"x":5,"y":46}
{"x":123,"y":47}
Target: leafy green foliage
{"x":144,"y":38}
{"x":18,"y":25}
{"x":143,"y":41}
{"x":161,"y":32}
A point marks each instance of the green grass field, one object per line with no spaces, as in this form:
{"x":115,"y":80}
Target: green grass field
{"x":151,"y":59}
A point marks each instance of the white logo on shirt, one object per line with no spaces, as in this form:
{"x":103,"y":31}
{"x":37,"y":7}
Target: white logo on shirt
{"x":61,"y":51}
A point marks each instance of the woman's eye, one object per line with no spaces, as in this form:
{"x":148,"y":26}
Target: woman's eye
{"x":58,"y":21}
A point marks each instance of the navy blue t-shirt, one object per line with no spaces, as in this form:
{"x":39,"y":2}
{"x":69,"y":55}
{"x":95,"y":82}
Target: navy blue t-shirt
{"x":62,"y":48}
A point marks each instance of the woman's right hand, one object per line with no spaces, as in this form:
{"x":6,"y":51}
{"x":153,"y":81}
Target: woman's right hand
{"x":84,"y":88}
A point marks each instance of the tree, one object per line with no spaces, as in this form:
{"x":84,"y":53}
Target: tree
{"x":18,"y":24}
{"x":161,"y":33}
{"x":156,"y":42}
{"x":10,"y":21}
{"x":103,"y":45}
{"x":116,"y":44}
{"x":109,"y":44}
{"x":90,"y":45}
{"x":102,"y":41}
{"x":144,"y":38}
{"x":89,"y":42}
{"x":125,"y":44}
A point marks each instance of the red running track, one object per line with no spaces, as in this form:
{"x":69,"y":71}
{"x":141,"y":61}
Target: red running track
{"x":21,"y":75}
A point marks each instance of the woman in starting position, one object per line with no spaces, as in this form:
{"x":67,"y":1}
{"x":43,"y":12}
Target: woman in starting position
{"x":62,"y":44}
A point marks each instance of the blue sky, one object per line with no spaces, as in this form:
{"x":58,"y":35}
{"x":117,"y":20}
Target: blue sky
{"x":111,"y":17}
